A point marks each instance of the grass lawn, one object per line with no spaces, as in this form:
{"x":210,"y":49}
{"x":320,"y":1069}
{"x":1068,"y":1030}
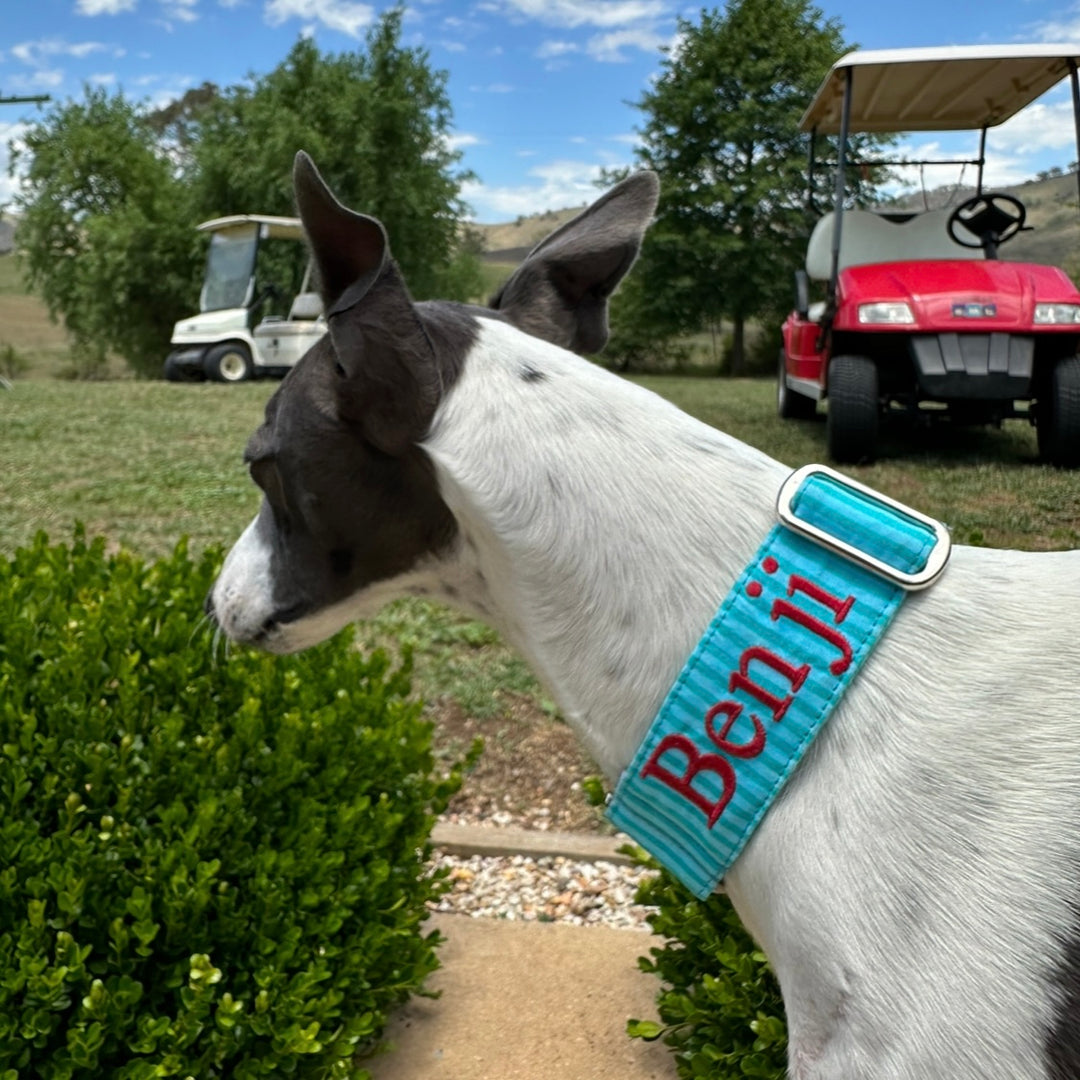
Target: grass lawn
{"x":144,"y":462}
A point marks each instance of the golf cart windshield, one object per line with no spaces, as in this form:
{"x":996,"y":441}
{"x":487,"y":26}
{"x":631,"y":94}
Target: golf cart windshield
{"x":230,"y":268}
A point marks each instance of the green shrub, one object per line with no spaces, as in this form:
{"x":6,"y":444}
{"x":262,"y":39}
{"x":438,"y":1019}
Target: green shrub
{"x":209,"y":867}
{"x":720,"y":1006}
{"x":12,"y":362}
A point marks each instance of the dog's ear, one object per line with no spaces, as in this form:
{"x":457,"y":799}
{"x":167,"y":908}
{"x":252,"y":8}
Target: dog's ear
{"x":350,"y":250}
{"x":386,"y":384}
{"x":560,"y":292}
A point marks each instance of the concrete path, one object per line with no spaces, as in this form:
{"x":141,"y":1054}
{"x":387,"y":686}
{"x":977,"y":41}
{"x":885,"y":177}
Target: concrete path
{"x":529,"y":1001}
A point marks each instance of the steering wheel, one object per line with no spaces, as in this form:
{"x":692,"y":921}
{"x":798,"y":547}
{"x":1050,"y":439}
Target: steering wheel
{"x":992,"y":218}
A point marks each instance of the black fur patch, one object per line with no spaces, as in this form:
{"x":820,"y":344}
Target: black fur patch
{"x":341,"y":512}
{"x":532,"y":375}
{"x":1063,"y":1039}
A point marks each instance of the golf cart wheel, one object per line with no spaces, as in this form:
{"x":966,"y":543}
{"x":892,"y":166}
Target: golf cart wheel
{"x":791,"y":405}
{"x":851,"y":429}
{"x":175,"y":372}
{"x":230,"y":362}
{"x":1058,"y":417}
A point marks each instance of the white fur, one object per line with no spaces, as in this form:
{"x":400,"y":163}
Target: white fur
{"x":910,"y":884}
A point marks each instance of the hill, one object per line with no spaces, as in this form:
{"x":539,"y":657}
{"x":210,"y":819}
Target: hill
{"x":1052,"y":216}
{"x":510,"y":242}
{"x":1051,"y":206}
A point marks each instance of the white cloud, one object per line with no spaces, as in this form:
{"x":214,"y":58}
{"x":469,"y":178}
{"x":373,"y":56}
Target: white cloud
{"x":38,"y":53}
{"x":1062,"y":27}
{"x":462,"y":139}
{"x":104,"y":79}
{"x":1042,"y":126}
{"x":344,"y":16}
{"x":453,"y":46}
{"x":1005,"y":167}
{"x":573,"y":13}
{"x":560,"y":184}
{"x":550,"y":50}
{"x":9,"y":133}
{"x":1037,"y":137}
{"x":608,"y":48}
{"x":181,"y":10}
{"x":492,"y":88}
{"x":42,"y":79}
{"x":103,"y":7}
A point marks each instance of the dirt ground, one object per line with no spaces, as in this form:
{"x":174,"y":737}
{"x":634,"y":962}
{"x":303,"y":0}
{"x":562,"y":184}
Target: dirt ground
{"x":529,"y":774}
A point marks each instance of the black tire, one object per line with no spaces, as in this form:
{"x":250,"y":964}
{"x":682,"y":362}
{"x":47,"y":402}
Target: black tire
{"x":175,"y":372}
{"x":1057,"y":418}
{"x":230,"y":363}
{"x":791,"y":405}
{"x":851,"y":429}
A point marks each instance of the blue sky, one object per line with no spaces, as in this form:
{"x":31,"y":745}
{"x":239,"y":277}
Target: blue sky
{"x":542,"y":90}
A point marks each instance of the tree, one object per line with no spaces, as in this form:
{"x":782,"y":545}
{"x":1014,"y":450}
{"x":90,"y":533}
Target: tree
{"x":112,"y":189}
{"x":106,"y":231}
{"x":722,"y":131}
{"x":375,"y":122}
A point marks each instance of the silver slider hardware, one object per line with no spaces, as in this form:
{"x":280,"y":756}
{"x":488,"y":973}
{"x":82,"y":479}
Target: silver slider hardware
{"x":913,"y":580}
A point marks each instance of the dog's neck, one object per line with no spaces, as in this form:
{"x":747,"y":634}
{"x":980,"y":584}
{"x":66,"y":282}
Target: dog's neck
{"x":599,"y":531}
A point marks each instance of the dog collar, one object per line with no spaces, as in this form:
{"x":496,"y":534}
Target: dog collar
{"x":785,"y":644}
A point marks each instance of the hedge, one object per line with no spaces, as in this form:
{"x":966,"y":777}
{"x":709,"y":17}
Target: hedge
{"x":210,"y":866}
{"x":720,"y":1007}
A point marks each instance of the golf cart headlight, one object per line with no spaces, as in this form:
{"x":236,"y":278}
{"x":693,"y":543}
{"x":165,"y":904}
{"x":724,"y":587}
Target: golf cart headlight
{"x":1057,"y":314}
{"x":893,"y":313}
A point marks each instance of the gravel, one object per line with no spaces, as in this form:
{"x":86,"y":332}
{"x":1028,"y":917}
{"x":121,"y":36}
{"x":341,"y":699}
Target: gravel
{"x":546,"y":889}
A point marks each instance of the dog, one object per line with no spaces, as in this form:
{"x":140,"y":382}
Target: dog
{"x":916,"y":885}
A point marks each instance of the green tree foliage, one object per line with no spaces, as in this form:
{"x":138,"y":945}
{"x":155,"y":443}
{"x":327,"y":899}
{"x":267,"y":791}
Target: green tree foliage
{"x":106,"y":230}
{"x":376,"y":124}
{"x":721,"y":129}
{"x":114,"y":189}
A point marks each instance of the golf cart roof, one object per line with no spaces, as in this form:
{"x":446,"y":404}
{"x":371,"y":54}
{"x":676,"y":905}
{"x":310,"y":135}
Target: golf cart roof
{"x":277,"y":228}
{"x":950,"y":88}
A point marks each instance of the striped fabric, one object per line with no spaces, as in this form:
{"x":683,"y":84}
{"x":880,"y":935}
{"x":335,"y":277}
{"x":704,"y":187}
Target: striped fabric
{"x":785,"y":644}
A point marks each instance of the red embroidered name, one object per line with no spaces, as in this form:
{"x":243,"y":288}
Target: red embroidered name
{"x":722,"y":716}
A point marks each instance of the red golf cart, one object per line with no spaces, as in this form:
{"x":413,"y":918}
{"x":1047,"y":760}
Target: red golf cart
{"x":920,"y":315}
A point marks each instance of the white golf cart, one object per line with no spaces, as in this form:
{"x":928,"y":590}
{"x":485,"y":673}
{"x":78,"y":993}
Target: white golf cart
{"x":224,"y":342}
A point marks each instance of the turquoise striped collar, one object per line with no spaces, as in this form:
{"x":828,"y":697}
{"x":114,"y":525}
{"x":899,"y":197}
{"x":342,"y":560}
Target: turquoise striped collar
{"x":784,"y":646}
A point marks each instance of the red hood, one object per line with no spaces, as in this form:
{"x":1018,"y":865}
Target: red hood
{"x":1004,"y":292}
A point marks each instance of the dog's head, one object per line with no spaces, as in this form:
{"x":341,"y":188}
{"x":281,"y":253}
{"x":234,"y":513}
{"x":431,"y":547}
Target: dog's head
{"x":350,"y":500}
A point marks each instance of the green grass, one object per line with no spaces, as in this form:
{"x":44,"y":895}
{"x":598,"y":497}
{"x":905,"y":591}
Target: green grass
{"x":984,"y":483}
{"x":139,"y":462}
{"x":143,"y":463}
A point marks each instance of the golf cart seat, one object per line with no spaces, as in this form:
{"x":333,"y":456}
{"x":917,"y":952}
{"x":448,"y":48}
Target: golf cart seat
{"x":307,"y":305}
{"x":867,"y":238}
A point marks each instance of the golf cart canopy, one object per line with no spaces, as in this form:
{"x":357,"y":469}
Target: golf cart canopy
{"x":273,"y":228}
{"x":951,"y":88}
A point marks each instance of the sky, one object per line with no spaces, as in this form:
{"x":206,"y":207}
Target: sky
{"x":543,"y":91}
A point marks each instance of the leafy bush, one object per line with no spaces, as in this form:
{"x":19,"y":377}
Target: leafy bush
{"x":208,"y":867}
{"x":12,"y":362}
{"x":720,"y":1006}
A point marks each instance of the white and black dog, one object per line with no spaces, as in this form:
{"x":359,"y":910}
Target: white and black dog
{"x":917,"y":883}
